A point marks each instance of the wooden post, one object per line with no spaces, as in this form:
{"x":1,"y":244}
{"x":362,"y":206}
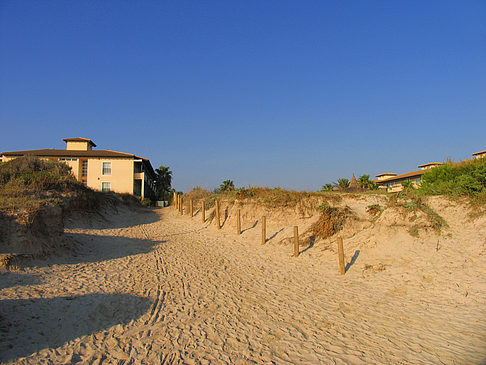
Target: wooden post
{"x":191,"y":208}
{"x":342,"y":268}
{"x":203,"y":211}
{"x":264,"y":230}
{"x":238,"y":222}
{"x":182,"y":206}
{"x":174,"y":200}
{"x":217,"y":215}
{"x":296,"y":241}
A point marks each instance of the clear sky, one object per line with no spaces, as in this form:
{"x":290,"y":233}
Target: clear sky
{"x":275,"y":93}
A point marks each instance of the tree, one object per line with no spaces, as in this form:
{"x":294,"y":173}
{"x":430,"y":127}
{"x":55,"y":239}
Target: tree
{"x":163,"y":181}
{"x":227,"y":185}
{"x":342,"y":183}
{"x":327,"y":187}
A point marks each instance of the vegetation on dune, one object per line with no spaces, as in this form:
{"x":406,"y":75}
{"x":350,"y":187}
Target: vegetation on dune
{"x":272,"y":197}
{"x":330,"y":222}
{"x":28,"y":183}
{"x":412,"y":202}
{"x":466,"y":179}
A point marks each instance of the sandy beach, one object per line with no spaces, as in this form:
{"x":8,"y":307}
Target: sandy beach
{"x":151,"y":287}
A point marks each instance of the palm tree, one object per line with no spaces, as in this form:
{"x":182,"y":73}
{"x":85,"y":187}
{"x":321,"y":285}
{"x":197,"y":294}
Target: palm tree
{"x":342,"y":183}
{"x":227,"y":185}
{"x":163,"y":180}
{"x":327,"y":187}
{"x":364,"y":181}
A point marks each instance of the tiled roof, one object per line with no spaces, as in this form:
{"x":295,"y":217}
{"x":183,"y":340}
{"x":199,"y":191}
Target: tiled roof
{"x":430,"y":164}
{"x":70,"y":153}
{"x":402,"y":176}
{"x":386,"y":173}
{"x":479,"y":153}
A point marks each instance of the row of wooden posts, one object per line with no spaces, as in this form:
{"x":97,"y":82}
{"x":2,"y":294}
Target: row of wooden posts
{"x":179,"y":201}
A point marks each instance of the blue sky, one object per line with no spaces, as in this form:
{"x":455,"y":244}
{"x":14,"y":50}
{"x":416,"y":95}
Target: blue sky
{"x":265,"y":93}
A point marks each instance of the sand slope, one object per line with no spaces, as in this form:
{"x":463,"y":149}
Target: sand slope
{"x":149,"y":287}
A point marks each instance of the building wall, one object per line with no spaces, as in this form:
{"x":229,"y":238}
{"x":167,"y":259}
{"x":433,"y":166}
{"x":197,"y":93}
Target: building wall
{"x":121,"y":178}
{"x":396,"y":186}
{"x":78,"y":146}
{"x":384,"y":177}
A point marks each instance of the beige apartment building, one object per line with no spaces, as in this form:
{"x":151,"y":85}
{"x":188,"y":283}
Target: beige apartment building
{"x":102,"y":170}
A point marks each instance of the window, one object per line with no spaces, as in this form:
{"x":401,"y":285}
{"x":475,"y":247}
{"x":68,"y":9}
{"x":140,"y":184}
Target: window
{"x":106,"y":168}
{"x":85,"y":182}
{"x":84,"y":169}
{"x":68,"y":159}
{"x":105,"y":187}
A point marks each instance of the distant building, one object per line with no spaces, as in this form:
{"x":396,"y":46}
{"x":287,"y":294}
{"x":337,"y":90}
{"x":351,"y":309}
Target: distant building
{"x":429,"y":165}
{"x":102,"y":170}
{"x":480,"y":154}
{"x":393,"y":182}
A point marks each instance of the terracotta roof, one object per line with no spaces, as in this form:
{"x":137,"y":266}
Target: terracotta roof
{"x":403,"y":176}
{"x":386,"y":173}
{"x":79,"y":139}
{"x":479,"y":153}
{"x":70,"y":153}
{"x":430,"y":163}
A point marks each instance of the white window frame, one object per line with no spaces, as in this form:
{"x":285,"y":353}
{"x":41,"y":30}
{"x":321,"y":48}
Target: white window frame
{"x":103,"y":168}
{"x":103,"y":184}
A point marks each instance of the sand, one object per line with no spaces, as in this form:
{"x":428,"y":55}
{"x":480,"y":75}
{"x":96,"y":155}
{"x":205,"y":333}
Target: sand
{"x":150,"y":287}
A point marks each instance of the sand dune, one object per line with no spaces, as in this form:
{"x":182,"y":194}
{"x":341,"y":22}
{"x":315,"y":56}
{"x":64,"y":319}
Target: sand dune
{"x":149,"y":287}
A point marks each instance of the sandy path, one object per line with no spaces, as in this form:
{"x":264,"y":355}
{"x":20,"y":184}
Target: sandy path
{"x":149,"y":290}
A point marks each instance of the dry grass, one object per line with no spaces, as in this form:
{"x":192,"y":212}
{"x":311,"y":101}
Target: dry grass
{"x":330,"y":222}
{"x":267,"y":197}
{"x":413,"y":203}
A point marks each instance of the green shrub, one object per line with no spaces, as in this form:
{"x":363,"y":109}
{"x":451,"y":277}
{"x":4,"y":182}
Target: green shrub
{"x":467,"y":178}
{"x":146,"y":202}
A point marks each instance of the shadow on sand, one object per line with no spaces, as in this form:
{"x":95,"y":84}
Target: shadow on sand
{"x":275,"y":234}
{"x":97,"y":248}
{"x":312,"y":241}
{"x":253,"y":226}
{"x":122,"y":217}
{"x":10,"y":279}
{"x":29,"y":325}
{"x":353,"y":260}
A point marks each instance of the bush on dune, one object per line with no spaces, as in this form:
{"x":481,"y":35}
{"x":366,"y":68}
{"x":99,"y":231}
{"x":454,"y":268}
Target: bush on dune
{"x":28,"y":182}
{"x":467,"y":179}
